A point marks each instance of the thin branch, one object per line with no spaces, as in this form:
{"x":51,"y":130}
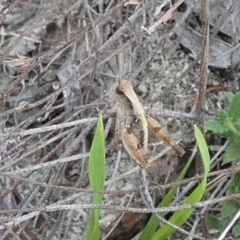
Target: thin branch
{"x":48,"y":164}
{"x":204,"y":66}
{"x":48,"y":128}
{"x":164,"y":18}
{"x":203,"y":78}
{"x":54,"y":207}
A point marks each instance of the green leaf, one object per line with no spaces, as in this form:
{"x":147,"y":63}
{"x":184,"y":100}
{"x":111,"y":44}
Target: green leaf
{"x":223,"y":115}
{"x":229,"y":208}
{"x":234,"y":186}
{"x":203,"y":148}
{"x":153,"y":222}
{"x":93,"y":228}
{"x":96,"y":170}
{"x":181,"y":216}
{"x":229,"y":96}
{"x":97,"y":162}
{"x":234,"y":109}
{"x":232,"y":132}
{"x":215,"y":126}
{"x":214,"y":222}
{"x":237,"y":126}
{"x":232,"y":153}
{"x":236,"y":230}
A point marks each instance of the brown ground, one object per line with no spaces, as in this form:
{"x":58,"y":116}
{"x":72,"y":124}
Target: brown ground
{"x":59,"y":58}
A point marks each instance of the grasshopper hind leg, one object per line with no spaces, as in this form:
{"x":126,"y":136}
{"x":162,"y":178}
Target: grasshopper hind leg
{"x":162,"y":133}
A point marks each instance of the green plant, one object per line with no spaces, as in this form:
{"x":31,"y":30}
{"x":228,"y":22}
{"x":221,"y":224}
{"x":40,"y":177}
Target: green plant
{"x":97,"y":178}
{"x":180,"y":217}
{"x":227,"y":125}
{"x":228,"y":210}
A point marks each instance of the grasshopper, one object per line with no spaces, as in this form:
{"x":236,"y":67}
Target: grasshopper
{"x":132,"y":124}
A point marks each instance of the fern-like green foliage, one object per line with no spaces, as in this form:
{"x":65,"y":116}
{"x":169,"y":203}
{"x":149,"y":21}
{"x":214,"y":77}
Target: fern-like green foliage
{"x":228,"y":210}
{"x":227,"y":125}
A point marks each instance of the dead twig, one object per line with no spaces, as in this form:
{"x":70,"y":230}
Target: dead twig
{"x":203,"y":76}
{"x":9,"y":9}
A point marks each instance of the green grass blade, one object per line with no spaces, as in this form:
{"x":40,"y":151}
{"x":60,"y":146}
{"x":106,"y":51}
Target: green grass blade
{"x":203,"y":148}
{"x":181,"y":216}
{"x":97,"y":178}
{"x":97,"y":162}
{"x":93,"y":229}
{"x":153,"y":222}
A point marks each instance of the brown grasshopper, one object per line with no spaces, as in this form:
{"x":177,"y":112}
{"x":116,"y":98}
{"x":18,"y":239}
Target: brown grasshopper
{"x":132,"y":124}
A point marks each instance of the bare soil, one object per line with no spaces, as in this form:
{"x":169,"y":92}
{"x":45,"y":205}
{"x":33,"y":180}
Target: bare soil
{"x":58,"y":60}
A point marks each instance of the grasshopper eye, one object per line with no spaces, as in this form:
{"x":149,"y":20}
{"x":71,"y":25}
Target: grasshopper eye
{"x":118,"y":91}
